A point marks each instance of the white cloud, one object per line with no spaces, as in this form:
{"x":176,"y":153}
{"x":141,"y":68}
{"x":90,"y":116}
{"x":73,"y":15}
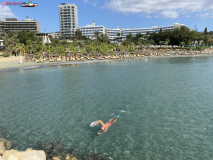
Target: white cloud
{"x":162,"y":8}
{"x":205,"y":15}
{"x":92,"y":2}
{"x":148,"y":16}
{"x":5,"y":12}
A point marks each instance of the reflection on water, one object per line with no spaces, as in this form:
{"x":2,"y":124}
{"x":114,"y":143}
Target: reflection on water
{"x":165,"y":106}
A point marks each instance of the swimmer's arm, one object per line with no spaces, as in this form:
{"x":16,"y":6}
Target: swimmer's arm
{"x":99,"y":122}
{"x":102,"y":131}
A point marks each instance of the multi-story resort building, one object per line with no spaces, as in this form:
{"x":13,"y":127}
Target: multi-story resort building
{"x":113,"y":33}
{"x":120,"y":33}
{"x":68,"y":19}
{"x":14,"y":25}
{"x":89,"y":30}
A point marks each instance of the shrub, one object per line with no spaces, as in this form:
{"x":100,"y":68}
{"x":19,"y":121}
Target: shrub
{"x":6,"y":55}
{"x":198,"y":48}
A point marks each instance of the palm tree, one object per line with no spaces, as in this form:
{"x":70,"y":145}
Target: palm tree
{"x":103,"y":38}
{"x":152,"y":41}
{"x":81,"y":44}
{"x":96,"y":35}
{"x":21,"y":48}
{"x":199,"y":37}
{"x":161,"y":42}
{"x":118,"y":34}
{"x":167,"y":41}
{"x":207,"y":39}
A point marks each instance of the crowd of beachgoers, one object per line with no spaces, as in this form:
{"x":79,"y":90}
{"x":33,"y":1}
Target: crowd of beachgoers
{"x":116,"y":55}
{"x":46,"y":59}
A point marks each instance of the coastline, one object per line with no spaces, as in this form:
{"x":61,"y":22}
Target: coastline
{"x":14,"y":64}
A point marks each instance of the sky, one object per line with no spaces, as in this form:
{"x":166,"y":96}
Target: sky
{"x":118,"y":13}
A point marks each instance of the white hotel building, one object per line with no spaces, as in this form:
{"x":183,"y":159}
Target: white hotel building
{"x":68,"y":19}
{"x":89,"y":30}
{"x":113,"y":33}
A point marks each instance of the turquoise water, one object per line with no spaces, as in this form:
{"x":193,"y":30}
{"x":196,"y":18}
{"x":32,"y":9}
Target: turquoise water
{"x":166,"y":107}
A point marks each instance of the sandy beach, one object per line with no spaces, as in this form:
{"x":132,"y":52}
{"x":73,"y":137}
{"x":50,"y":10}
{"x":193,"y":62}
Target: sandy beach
{"x":14,"y":62}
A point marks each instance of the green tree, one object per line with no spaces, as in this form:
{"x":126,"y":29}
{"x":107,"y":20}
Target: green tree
{"x":19,"y":47}
{"x":118,"y":34}
{"x":207,"y":39}
{"x":205,"y":31}
{"x":25,"y":36}
{"x":182,"y":44}
{"x":78,"y":35}
{"x":96,"y":35}
{"x":10,"y":42}
{"x":152,"y":41}
{"x":167,"y":41}
{"x":126,"y":43}
{"x":129,"y":37}
{"x":103,"y":38}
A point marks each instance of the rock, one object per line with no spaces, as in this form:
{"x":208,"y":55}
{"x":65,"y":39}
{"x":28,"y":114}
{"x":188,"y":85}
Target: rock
{"x":29,"y":149}
{"x":55,"y":158}
{"x":2,"y":148}
{"x":7,"y":143}
{"x":7,"y":154}
{"x":42,"y":152}
{"x":33,"y":155}
{"x":12,"y":157}
{"x":46,"y":147}
{"x":69,"y":157}
{"x":55,"y":149}
{"x":16,"y":153}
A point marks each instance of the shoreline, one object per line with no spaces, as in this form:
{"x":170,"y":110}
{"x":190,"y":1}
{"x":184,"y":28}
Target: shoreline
{"x":14,"y":65}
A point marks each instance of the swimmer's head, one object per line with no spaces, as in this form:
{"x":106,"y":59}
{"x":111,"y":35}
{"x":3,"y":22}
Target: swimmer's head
{"x":102,"y":128}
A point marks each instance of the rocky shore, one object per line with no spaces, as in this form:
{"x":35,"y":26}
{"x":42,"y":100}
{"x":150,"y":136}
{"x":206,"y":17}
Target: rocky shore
{"x":46,"y":151}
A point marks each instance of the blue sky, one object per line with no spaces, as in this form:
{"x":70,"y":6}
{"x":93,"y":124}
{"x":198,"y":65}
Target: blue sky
{"x":122,"y":13}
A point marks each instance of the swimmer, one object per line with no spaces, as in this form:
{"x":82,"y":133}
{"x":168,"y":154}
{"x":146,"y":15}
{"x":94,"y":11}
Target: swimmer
{"x":106,"y":126}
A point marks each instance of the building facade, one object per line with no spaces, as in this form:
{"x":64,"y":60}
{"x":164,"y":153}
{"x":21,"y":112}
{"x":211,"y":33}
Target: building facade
{"x":68,"y":19}
{"x":113,"y":33}
{"x":14,"y":25}
{"x":120,"y":33}
{"x":89,"y":30}
{"x":55,"y":35}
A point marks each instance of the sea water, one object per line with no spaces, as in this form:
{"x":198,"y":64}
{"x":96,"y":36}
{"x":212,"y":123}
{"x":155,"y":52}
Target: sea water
{"x":165,"y":104}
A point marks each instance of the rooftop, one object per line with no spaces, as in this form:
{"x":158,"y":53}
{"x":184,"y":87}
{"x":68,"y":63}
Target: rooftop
{"x":15,"y":20}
